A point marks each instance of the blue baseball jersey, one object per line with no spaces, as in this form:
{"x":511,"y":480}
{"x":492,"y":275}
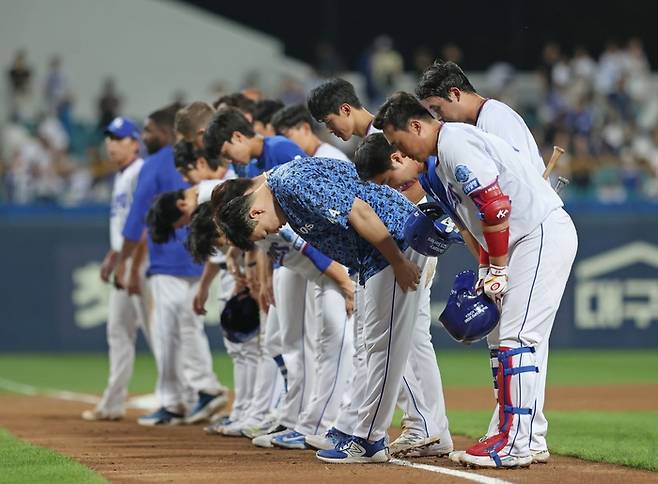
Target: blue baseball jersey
{"x":317,"y":194}
{"x":277,"y":150}
{"x":159,"y":175}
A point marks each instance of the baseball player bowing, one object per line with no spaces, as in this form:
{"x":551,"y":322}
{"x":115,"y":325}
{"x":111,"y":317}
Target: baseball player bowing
{"x":530,"y":244}
{"x":360,"y":226}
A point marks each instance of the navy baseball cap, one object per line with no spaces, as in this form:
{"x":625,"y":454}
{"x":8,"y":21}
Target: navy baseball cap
{"x":123,"y":128}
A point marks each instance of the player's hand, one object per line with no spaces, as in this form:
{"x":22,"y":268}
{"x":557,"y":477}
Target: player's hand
{"x":407,"y":274}
{"x":108,"y":265}
{"x":495,"y":283}
{"x":120,"y":275}
{"x":347,"y":290}
{"x":134,"y":283}
{"x":266,"y":296}
{"x":483,"y":272}
{"x":199,"y":301}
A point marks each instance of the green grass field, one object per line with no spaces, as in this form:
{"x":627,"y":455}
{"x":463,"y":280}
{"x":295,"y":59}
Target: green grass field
{"x":628,"y":438}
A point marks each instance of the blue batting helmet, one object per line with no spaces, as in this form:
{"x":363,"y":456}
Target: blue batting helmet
{"x":429,"y":231}
{"x":468,"y":316}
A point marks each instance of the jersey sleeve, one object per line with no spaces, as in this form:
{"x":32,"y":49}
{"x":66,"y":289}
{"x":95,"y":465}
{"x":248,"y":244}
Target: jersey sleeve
{"x":145,"y":191}
{"x":469,"y":163}
{"x":319,"y":260}
{"x":284,"y":151}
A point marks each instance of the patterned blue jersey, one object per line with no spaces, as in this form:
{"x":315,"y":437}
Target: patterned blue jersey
{"x":317,"y":194}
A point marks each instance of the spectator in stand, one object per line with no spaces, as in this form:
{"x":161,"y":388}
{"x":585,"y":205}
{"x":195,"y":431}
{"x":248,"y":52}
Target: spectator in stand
{"x":20,"y":86}
{"x":58,"y":96}
{"x":109,"y":104}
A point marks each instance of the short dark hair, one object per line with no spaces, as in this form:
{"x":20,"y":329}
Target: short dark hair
{"x":233,"y":220}
{"x":162,"y":216}
{"x":202,"y":233}
{"x":440,"y":77}
{"x":265,"y":109}
{"x":221,"y":129}
{"x":398,"y":110}
{"x":236,"y":100}
{"x":165,"y":118}
{"x":291,"y":117}
{"x":327,"y":98}
{"x":184,"y":156}
{"x":227,"y":191}
{"x":373,"y":156}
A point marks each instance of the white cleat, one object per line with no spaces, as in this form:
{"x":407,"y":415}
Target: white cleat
{"x":540,"y":456}
{"x":456,"y":456}
{"x":409,"y":442}
{"x":98,"y":415}
{"x":265,"y":441}
{"x":486,"y":462}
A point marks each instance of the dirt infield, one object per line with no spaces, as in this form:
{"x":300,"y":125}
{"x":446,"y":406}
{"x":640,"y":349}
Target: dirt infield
{"x":125,"y":452}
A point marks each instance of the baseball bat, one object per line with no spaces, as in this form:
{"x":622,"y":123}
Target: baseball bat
{"x":557,"y":152}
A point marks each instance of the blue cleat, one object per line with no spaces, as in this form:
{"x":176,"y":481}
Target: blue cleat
{"x":290,"y":440}
{"x":161,"y":416}
{"x":206,"y":406}
{"x":355,"y":450}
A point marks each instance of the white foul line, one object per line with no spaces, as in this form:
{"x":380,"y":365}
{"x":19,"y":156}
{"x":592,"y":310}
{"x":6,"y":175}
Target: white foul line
{"x":450,"y":472}
{"x":144,"y":402}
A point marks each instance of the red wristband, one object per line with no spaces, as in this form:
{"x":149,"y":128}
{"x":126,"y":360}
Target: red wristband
{"x":497,"y":242}
{"x":484,"y":257}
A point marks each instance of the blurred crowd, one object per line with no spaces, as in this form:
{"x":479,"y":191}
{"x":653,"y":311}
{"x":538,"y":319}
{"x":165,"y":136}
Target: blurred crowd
{"x":602,"y":109}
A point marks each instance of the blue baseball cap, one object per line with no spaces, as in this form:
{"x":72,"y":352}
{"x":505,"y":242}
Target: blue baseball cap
{"x":123,"y":128}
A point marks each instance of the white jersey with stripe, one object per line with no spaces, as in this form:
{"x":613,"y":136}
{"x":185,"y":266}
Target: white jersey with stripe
{"x":498,"y":118}
{"x":470,"y":159}
{"x":326,"y":150}
{"x":286,"y":249}
{"x":125,"y":182}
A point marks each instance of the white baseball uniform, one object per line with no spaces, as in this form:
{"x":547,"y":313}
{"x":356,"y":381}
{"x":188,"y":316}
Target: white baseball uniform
{"x":498,"y":118}
{"x":312,"y":338}
{"x":245,"y":355}
{"x":542,"y":247}
{"x":125,"y":313}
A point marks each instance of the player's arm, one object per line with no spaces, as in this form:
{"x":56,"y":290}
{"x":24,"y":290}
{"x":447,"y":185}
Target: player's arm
{"x":210,"y":270}
{"x":370,"y":227}
{"x":135,"y":225}
{"x":495,"y":209}
{"x":108,"y":265}
{"x":265,"y":271}
{"x":135,"y":277}
{"x":324,"y":264}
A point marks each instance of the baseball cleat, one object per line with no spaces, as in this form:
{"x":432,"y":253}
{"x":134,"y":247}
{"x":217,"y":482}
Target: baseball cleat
{"x":266,"y":440}
{"x":290,"y":440}
{"x":456,"y":456}
{"x":263,"y":428}
{"x":485,"y":461}
{"x":161,"y":416}
{"x":355,"y":450}
{"x":434,"y":450}
{"x":216,"y":427}
{"x":233,"y":429}
{"x":540,"y":456}
{"x":410,"y":441}
{"x":329,"y":440}
{"x":98,"y":415}
{"x":206,"y":406}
